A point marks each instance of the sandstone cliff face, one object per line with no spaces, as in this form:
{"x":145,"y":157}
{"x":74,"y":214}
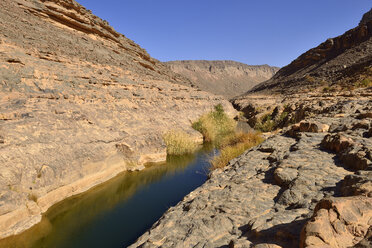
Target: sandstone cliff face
{"x":337,"y":61}
{"x":79,"y":103}
{"x":226,"y":78}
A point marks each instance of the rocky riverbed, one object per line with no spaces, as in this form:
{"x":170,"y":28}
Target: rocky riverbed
{"x":310,"y":185}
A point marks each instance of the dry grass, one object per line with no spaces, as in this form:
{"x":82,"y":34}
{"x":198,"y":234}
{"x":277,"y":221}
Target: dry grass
{"x":233,"y":146}
{"x":365,"y":83}
{"x":215,"y":124}
{"x":179,"y":143}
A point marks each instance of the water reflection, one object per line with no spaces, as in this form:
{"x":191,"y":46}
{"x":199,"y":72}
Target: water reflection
{"x":101,"y":216}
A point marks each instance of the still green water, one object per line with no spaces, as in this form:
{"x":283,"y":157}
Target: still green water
{"x":116,"y":213}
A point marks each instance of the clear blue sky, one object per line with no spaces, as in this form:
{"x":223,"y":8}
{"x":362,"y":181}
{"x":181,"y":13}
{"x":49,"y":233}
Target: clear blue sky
{"x":270,"y":32}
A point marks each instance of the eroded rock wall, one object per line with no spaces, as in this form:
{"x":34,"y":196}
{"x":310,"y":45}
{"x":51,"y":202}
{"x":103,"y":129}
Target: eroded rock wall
{"x":79,"y":103}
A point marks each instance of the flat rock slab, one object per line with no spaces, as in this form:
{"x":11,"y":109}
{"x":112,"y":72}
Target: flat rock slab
{"x":265,"y":197}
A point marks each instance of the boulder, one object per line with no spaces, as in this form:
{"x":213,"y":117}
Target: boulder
{"x":338,"y":222}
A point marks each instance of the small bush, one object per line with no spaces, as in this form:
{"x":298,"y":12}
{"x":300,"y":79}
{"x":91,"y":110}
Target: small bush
{"x":367,"y":82}
{"x":265,"y":124}
{"x":282,"y":116}
{"x":326,"y":89}
{"x":179,"y":142}
{"x":215,"y":124}
{"x":233,"y":146}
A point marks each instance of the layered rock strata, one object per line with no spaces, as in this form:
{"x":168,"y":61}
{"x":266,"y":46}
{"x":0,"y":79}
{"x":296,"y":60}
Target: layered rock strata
{"x":79,"y":103}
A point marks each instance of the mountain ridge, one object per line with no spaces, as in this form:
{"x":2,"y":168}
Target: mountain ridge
{"x":222,"y":77}
{"x":337,"y":61}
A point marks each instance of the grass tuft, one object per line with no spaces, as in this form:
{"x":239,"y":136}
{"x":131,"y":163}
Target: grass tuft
{"x":233,"y":146}
{"x":215,"y":124}
{"x":179,"y":143}
{"x":265,"y":124}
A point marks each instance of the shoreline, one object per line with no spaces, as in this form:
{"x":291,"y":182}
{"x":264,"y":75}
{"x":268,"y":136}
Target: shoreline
{"x":29,"y":215}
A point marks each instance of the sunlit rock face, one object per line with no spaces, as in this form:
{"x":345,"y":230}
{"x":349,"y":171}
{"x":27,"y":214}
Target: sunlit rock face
{"x":78,"y":103}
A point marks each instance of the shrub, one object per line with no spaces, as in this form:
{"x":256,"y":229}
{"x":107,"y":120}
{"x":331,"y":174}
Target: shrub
{"x":215,"y":124}
{"x":326,"y":89}
{"x":265,"y":124}
{"x":282,"y":116}
{"x":367,"y":82}
{"x":179,"y":142}
{"x":233,"y":146}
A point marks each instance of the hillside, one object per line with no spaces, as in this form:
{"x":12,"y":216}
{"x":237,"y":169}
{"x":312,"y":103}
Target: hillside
{"x":226,"y":78}
{"x":79,"y":103}
{"x":340,"y":62}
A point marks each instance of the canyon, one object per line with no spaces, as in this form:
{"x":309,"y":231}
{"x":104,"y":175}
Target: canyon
{"x":80,"y":103}
{"x":309,"y":184}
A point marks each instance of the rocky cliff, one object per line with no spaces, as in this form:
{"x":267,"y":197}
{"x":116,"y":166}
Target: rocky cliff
{"x":226,"y":78}
{"x":79,"y":103}
{"x":367,"y":17}
{"x":340,"y":62}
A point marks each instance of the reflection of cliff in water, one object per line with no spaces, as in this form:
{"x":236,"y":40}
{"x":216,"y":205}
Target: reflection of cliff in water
{"x":75,"y":213}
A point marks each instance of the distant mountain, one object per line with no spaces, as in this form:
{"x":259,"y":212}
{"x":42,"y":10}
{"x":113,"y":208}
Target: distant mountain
{"x":341,"y":61}
{"x":226,"y":78}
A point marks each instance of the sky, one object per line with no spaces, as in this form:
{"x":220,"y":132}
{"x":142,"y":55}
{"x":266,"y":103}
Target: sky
{"x":254,"y":32}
